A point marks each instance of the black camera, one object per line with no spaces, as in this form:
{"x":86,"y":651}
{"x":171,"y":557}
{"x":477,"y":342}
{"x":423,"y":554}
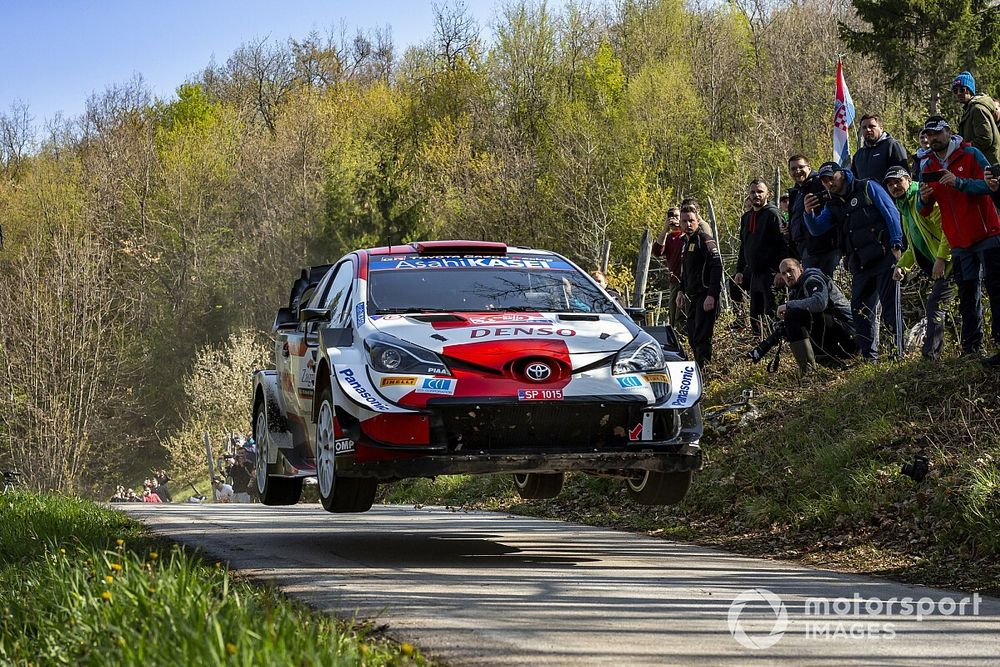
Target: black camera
{"x":814,"y":186}
{"x":768,"y":343}
{"x":917,"y":468}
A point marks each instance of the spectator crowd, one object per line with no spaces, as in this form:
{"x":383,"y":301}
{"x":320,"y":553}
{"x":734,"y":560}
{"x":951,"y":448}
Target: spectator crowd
{"x":887,"y":218}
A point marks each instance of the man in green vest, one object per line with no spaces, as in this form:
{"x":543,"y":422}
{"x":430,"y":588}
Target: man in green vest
{"x":927,"y":252}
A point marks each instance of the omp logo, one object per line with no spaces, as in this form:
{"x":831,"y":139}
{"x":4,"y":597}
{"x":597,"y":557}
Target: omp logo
{"x":402,"y":381}
{"x":687,"y":377}
{"x":343,"y":446}
{"x":365,"y":395}
{"x":501,"y":332}
{"x":537,"y":371}
{"x":437,"y":386}
{"x":629,"y":382}
{"x":747,"y":631}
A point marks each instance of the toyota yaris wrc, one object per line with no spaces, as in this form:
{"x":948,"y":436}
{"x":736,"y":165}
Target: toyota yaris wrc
{"x":450,"y":357}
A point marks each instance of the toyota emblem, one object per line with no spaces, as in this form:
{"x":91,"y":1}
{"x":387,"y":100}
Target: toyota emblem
{"x":537,"y":371}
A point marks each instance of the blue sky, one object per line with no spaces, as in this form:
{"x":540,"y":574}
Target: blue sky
{"x":56,"y":53}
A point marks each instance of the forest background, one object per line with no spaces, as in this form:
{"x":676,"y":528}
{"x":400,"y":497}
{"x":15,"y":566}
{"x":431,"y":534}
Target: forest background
{"x":149,"y":242}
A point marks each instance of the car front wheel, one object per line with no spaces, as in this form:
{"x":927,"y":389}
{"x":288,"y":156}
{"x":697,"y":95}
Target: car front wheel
{"x":337,"y":493}
{"x":273,"y":490}
{"x":647,"y":487}
{"x":538,"y":485}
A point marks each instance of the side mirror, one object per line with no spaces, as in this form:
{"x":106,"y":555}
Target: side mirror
{"x":285,"y":319}
{"x":637,"y":314}
{"x":314,"y":314}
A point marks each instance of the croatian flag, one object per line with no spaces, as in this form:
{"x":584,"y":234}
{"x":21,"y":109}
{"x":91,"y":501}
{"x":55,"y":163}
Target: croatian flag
{"x":843,"y":116}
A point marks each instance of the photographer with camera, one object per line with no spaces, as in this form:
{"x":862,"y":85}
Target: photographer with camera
{"x":762,"y":247}
{"x":928,"y":249}
{"x":869,"y":225}
{"x":816,"y":319}
{"x":823,"y":251}
{"x":701,"y":284}
{"x":970,"y":222}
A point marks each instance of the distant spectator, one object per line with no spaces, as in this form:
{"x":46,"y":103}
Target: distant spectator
{"x":150,"y":497}
{"x":823,"y":251}
{"x":927,"y":249}
{"x":970,"y":222}
{"x":223,"y":491}
{"x":601,"y":280}
{"x":919,"y":156}
{"x":701,"y":284}
{"x":978,"y":124}
{"x":161,"y":486}
{"x":241,"y":476}
{"x":878,"y":152}
{"x":762,"y":247}
{"x":670,"y":245}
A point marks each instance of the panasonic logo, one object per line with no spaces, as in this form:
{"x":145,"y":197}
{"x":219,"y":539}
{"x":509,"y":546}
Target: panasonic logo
{"x":687,"y":378}
{"x":366,"y":395}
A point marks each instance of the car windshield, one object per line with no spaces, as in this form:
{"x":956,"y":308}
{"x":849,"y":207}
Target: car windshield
{"x":412,"y":283}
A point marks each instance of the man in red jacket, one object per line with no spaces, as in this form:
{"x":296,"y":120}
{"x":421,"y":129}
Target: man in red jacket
{"x":670,"y":245}
{"x":953,"y":176}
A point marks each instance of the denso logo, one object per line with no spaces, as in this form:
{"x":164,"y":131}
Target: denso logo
{"x":687,"y":378}
{"x":502,"y":332}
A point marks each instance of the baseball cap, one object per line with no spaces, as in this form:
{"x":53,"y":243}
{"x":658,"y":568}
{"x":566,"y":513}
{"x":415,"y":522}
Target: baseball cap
{"x":895,"y":172}
{"x":936,"y":124}
{"x":829,"y":169}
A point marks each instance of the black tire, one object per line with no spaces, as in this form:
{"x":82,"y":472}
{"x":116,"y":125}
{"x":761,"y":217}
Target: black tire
{"x":273,"y":490}
{"x":658,"y":488}
{"x":538,"y":485}
{"x":337,"y":493}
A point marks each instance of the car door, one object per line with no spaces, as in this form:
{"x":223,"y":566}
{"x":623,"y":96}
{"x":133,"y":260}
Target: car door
{"x":290,"y":348}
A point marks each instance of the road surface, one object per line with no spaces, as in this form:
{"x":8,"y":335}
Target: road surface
{"x":479,"y":588}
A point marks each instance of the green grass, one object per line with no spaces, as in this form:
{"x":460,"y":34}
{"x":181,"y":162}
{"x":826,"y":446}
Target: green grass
{"x":83,"y":585}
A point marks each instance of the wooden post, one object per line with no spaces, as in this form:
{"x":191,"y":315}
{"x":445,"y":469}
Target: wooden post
{"x":605,"y":256}
{"x":208,"y":459}
{"x":715,"y":232}
{"x":642,"y":270}
{"x":777,"y":185}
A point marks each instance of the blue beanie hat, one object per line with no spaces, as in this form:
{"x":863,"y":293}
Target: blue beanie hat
{"x":964,"y":79}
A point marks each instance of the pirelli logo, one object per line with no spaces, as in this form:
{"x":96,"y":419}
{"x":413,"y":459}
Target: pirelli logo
{"x":405,"y":381}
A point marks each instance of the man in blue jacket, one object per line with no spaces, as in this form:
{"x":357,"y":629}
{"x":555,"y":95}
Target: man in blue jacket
{"x":872,"y":241}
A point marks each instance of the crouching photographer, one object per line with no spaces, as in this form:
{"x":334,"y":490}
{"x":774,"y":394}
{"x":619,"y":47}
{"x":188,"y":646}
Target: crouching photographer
{"x":816,"y":319}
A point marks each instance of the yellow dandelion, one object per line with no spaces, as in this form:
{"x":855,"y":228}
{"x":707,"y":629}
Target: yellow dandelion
{"x":109,"y":579}
{"x":231,"y":648}
{"x":121,"y":642}
{"x":365,"y":650}
{"x":153,"y":555}
{"x":116,"y":567}
{"x":62,"y":551}
{"x":120,"y":542}
{"x":106,"y":596}
{"x":151,"y":589}
{"x":407,"y":648}
{"x":218,"y":566}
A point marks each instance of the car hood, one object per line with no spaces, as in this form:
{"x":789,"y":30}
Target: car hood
{"x":577,"y":333}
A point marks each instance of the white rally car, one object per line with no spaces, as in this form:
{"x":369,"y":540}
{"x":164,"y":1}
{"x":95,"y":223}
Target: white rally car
{"x":449,"y":357}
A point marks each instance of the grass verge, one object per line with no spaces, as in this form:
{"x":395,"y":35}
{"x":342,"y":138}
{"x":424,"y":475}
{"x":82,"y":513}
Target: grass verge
{"x":814,"y":476}
{"x":84,"y":585}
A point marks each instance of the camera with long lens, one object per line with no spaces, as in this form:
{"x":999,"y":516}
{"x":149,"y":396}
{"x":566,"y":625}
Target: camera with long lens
{"x":768,"y":343}
{"x":917,"y":468}
{"x":814,"y":186}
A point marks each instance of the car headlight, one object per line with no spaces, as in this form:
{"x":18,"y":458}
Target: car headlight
{"x":388,"y":354}
{"x":643,"y":354}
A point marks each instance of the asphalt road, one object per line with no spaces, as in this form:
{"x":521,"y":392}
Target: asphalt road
{"x":477,"y":588}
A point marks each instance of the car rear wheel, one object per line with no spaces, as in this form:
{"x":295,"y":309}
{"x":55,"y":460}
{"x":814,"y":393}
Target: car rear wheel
{"x":336,"y":492}
{"x":538,"y":485}
{"x":273,"y":490}
{"x":658,"y":488}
